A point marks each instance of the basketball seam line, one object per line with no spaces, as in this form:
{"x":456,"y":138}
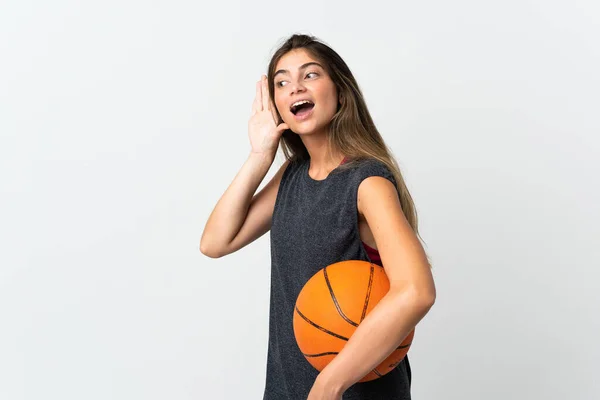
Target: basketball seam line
{"x":337,"y":305}
{"x":368,"y":296}
{"x":320,"y":327}
{"x":329,"y":353}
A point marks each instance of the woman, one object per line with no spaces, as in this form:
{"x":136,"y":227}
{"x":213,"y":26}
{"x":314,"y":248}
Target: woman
{"x":338,"y":196}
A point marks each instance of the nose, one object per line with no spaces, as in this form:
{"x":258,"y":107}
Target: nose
{"x":296,"y":87}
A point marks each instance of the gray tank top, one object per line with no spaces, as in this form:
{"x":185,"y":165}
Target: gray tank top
{"x":315,"y":224}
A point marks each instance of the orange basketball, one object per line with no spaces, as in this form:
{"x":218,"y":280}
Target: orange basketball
{"x":332,"y":304}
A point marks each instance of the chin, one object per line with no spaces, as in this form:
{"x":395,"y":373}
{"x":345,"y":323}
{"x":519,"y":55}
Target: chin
{"x":305,"y":129}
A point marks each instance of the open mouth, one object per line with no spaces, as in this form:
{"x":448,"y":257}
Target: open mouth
{"x":302,"y":108}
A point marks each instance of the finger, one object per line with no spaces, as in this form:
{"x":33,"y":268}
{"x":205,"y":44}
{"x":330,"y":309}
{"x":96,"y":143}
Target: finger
{"x":265,"y":93}
{"x":255,"y":101}
{"x":274,"y":112}
{"x":257,"y":105}
{"x":282,"y":127}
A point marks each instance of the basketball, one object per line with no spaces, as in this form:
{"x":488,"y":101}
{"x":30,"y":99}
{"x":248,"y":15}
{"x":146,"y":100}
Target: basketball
{"x":332,"y":304}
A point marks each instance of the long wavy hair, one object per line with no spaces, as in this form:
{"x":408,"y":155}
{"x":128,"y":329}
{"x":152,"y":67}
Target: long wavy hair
{"x":352,"y":131}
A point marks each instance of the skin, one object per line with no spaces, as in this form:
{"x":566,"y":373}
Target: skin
{"x":313,"y":82}
{"x":382,"y":225}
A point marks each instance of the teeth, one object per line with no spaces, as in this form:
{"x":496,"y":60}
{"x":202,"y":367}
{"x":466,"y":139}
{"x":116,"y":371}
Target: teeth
{"x":301,"y":102}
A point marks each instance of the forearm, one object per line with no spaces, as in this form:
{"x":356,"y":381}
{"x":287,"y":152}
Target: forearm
{"x":230,"y":211}
{"x":377,"y":336}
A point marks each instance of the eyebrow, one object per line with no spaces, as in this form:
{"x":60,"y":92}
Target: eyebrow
{"x":303,"y":66}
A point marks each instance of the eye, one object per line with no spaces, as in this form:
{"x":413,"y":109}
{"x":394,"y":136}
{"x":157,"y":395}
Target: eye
{"x":280,"y":83}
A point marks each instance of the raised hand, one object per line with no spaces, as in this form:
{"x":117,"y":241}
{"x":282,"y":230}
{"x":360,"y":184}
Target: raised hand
{"x":263,"y":131}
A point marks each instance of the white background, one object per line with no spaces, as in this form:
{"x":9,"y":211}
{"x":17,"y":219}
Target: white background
{"x":122,"y":123}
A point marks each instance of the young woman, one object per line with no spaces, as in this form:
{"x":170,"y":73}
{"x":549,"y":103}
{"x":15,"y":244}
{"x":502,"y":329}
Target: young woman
{"x":338,"y":196}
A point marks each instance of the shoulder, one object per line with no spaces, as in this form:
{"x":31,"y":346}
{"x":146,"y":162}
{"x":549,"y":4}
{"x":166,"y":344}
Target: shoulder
{"x":376,"y":185}
{"x":371,"y":167}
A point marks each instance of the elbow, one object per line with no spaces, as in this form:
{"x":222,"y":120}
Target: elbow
{"x":425,"y":296}
{"x":423,"y":302}
{"x":427,"y":299}
{"x":210,"y":254}
{"x":208,"y":251}
{"x":421,"y":298}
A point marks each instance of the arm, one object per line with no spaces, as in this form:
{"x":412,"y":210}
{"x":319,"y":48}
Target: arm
{"x":411,"y":295}
{"x":239,"y":218}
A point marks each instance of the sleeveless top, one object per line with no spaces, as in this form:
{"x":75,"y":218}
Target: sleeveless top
{"x":315,"y":224}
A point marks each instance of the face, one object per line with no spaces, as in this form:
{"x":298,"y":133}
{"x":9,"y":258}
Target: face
{"x":298,"y":77}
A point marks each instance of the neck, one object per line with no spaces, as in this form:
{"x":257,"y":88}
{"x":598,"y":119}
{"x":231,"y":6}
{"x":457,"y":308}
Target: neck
{"x":322,"y":161}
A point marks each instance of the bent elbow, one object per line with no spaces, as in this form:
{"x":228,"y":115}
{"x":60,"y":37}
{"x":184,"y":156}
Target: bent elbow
{"x":209,"y":252}
{"x":427,"y":299}
{"x":423,"y":299}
